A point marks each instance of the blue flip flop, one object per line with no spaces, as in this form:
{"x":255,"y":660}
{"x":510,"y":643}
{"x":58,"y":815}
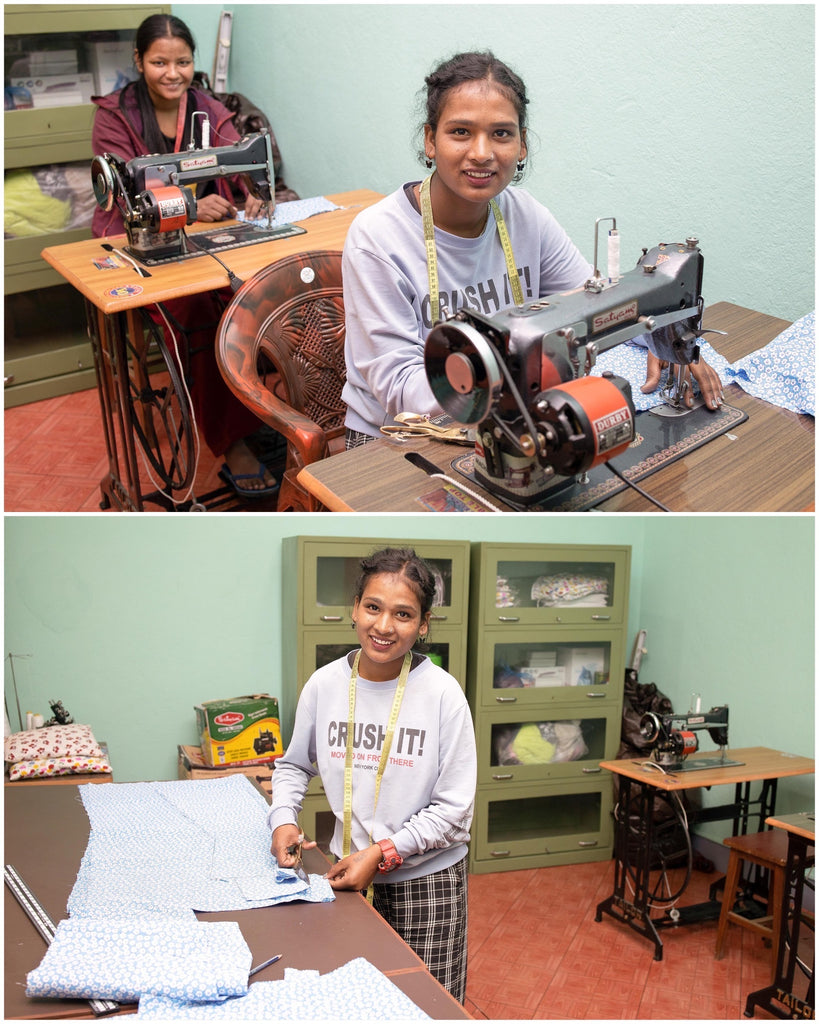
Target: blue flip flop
{"x":245,"y":492}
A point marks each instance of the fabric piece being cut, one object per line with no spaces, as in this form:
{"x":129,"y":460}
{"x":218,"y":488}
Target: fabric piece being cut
{"x":298,"y":209}
{"x":125,"y":959}
{"x":356,"y":991}
{"x":170,"y":848}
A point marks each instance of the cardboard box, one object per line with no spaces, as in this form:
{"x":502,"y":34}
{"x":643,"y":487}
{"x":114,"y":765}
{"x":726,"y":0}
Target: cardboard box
{"x":191,"y":765}
{"x":240,"y":730}
{"x":112,"y":64}
{"x":585,"y":666}
{"x":56,"y":90}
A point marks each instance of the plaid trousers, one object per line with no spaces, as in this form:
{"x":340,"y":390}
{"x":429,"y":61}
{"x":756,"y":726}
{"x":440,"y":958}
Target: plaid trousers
{"x":430,"y":915}
{"x":355,"y":439}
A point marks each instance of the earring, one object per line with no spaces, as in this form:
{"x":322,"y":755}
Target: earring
{"x":428,"y":162}
{"x":521,"y":165}
{"x":352,"y":624}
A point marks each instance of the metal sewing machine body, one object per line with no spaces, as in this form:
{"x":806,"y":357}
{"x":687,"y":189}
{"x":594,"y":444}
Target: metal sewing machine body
{"x":155,"y":196}
{"x":522,"y":376}
{"x":674,"y":735}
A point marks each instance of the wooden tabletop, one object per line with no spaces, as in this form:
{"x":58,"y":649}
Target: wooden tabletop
{"x":766,"y":465}
{"x":46,"y":834}
{"x":75,"y":261}
{"x":757,"y":763}
{"x":800,"y":824}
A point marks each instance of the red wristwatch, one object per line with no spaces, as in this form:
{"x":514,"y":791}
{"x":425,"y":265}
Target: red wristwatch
{"x":392,"y":859}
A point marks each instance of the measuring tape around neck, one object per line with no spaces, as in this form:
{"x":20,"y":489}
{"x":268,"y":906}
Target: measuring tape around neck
{"x":432,"y":255}
{"x":385,"y":750}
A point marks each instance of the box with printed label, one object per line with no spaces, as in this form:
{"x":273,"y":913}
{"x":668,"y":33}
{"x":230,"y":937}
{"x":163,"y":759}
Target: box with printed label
{"x":584,"y":666}
{"x":240,"y":730}
{"x":111,"y":63}
{"x":56,"y":90}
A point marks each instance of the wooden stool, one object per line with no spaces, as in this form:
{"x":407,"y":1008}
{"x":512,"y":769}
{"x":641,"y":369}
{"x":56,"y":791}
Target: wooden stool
{"x":768,"y":850}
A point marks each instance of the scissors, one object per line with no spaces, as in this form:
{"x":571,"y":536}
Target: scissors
{"x":294,"y":850}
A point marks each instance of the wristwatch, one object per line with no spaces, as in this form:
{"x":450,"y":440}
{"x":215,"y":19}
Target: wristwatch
{"x":391,"y":858}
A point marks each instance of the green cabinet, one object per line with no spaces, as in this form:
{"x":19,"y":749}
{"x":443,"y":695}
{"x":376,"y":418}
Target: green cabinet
{"x":319,"y":576}
{"x":47,"y":351}
{"x":547,"y":633}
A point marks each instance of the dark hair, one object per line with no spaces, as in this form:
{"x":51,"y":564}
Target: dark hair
{"x":157,"y":26}
{"x":472,"y":67}
{"x":401,"y":562}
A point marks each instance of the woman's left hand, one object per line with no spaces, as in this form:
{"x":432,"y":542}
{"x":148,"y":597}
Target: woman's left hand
{"x":706,"y":376}
{"x":213,"y":208}
{"x":357,"y":870}
{"x":254,"y":208}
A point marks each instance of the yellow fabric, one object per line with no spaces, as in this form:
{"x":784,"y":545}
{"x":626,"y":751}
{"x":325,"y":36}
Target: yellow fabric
{"x":26,"y":211}
{"x":530,"y":746}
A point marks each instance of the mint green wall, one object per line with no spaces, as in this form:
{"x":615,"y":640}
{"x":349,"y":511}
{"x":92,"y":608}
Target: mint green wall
{"x":676,"y":119}
{"x":132,"y":620}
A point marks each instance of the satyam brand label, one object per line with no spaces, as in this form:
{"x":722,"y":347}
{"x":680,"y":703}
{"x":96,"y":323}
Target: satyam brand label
{"x":240,"y":730}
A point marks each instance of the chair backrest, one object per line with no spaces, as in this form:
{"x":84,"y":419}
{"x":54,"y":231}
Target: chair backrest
{"x":292,"y":313}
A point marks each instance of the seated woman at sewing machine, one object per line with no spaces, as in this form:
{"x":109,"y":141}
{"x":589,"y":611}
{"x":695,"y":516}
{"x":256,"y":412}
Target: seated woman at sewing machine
{"x":463,"y":234}
{"x":153,"y":115}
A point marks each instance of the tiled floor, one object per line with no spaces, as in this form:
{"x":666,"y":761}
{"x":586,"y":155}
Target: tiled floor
{"x":536,"y":952}
{"x":55,"y":457}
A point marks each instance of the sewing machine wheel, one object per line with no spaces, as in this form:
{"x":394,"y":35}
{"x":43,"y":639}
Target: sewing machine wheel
{"x":463,"y":372}
{"x":671,"y":855}
{"x":161,"y":413}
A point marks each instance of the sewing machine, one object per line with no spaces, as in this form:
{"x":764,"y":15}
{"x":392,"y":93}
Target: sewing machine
{"x":675,"y":737}
{"x":522,"y":377}
{"x":156,"y":201}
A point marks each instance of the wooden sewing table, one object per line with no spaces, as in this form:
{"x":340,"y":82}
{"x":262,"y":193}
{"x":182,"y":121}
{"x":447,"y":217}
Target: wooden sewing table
{"x":634,"y":850}
{"x":765,"y":464}
{"x":114,"y":299}
{"x":46,"y":835}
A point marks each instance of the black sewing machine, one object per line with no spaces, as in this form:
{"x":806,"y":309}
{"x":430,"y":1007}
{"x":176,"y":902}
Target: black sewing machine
{"x":522,"y":377}
{"x":157,"y":201}
{"x":674,"y":737}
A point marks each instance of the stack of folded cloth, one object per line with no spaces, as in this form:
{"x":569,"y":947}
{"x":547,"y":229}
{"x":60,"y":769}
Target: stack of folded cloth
{"x":54,"y":750}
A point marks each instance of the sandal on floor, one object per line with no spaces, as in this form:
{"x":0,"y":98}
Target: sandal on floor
{"x":234,"y":481}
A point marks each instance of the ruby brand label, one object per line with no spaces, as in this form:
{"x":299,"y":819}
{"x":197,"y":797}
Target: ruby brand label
{"x":612,"y":317}
{"x":229,"y":718}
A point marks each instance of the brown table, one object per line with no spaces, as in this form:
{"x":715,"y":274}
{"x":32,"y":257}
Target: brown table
{"x":780,"y":998}
{"x":634,"y":850}
{"x":768,"y":468}
{"x":46,"y":834}
{"x":117,"y":329}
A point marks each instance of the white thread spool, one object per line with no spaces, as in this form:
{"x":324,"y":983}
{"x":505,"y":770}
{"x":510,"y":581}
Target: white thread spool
{"x":614,"y":256}
{"x":29,"y":720}
{"x":39,"y":721}
{"x":205,"y":132}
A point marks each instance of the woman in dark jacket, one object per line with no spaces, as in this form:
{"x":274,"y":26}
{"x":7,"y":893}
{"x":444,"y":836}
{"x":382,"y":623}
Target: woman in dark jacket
{"x":153,"y":115}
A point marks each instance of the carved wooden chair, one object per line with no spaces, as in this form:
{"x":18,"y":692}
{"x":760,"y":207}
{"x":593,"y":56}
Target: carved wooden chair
{"x":280,"y":348}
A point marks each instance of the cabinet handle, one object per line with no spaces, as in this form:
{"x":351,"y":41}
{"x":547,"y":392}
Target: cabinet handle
{"x":501,"y":778}
{"x":588,"y":842}
{"x":508,"y":618}
{"x":601,"y":618}
{"x":592,"y":771}
{"x":506,"y":700}
{"x":439,"y":618}
{"x":332,"y":618}
{"x":501,"y":853}
{"x":593,"y":696}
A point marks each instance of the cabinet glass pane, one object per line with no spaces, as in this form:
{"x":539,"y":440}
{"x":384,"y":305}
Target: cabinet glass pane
{"x":336,"y":579}
{"x":325,"y":653}
{"x":554,"y":584}
{"x":533,"y":665}
{"x":537,"y":817}
{"x":539,"y":742}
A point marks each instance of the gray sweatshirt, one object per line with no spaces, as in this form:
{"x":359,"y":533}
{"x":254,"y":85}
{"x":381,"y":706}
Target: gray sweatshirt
{"x":428,"y":788}
{"x":386,"y":293}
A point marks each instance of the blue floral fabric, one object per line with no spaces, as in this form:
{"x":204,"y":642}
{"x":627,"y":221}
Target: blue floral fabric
{"x":783,"y":372}
{"x":125,"y":959}
{"x":170,"y":848}
{"x":356,"y":991}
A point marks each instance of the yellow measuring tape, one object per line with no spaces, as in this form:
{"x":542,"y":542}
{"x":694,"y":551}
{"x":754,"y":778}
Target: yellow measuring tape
{"x":432,"y":255}
{"x":385,"y":750}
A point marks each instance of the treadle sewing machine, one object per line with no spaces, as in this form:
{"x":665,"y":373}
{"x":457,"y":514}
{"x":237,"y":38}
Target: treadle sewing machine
{"x":522,"y":377}
{"x":675,"y":737}
{"x":157,"y":201}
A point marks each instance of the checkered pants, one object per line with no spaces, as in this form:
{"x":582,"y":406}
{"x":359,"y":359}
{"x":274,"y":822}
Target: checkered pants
{"x":355,"y":439}
{"x":430,"y":915}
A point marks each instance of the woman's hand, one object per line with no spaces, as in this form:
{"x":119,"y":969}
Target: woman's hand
{"x":706,"y":376}
{"x":212,"y":208}
{"x":284,"y":836}
{"x":357,"y":870}
{"x":254,"y":208}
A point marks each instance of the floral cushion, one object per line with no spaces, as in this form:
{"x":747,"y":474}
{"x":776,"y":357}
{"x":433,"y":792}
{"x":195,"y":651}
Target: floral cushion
{"x":46,"y":767}
{"x":52,"y":741}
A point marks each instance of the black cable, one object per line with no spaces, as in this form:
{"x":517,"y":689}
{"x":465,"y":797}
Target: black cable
{"x":639,"y":490}
{"x":235,"y":282}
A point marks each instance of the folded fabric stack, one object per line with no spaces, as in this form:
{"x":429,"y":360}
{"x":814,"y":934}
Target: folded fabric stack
{"x":570,"y":590}
{"x":54,"y":750}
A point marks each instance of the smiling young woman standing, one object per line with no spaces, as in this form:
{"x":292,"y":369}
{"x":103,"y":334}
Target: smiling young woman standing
{"x":391,"y":735}
{"x":462,"y":239}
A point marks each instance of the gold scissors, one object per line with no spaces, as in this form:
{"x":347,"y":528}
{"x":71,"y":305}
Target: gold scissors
{"x":294,"y":850}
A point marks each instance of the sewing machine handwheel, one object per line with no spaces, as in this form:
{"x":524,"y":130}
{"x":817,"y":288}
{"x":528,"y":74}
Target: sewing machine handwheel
{"x":102,"y":179}
{"x":161,"y":416}
{"x":463,"y":372}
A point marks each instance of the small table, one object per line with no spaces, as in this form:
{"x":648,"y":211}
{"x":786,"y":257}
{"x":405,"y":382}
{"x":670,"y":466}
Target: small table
{"x":768,"y":467}
{"x":114,"y":300}
{"x":779,"y":998}
{"x":630,"y":901}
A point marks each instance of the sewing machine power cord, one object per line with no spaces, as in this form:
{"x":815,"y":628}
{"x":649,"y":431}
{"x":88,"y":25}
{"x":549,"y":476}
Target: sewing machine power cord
{"x":630,"y":483}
